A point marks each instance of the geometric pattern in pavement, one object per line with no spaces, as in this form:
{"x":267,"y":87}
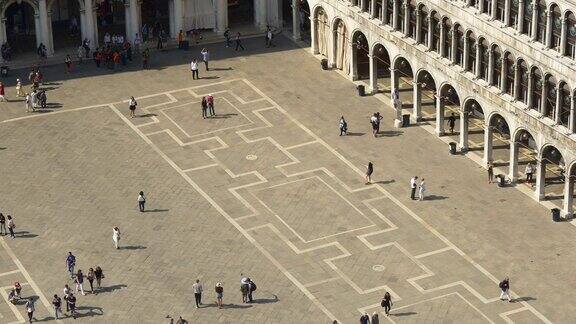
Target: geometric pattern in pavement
{"x":306,"y":208}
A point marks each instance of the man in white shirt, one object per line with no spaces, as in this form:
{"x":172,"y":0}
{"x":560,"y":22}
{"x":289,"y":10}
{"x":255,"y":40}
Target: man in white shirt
{"x":205,"y":57}
{"x":197,"y":288}
{"x":194,"y":69}
{"x":413,"y":186}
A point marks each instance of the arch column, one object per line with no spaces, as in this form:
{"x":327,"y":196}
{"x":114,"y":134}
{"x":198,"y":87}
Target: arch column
{"x":295,"y":18}
{"x":540,"y":179}
{"x":44,"y":27}
{"x":89,"y":27}
{"x":442,"y":49}
{"x":418,"y":34}
{"x":393,"y":81}
{"x":2,"y":35}
{"x":314,"y":42}
{"x":494,"y":10}
{"x":406,"y":21}
{"x":463,"y":130}
{"x":558,"y":106}
{"x":260,"y":13}
{"x":385,"y":11}
{"x":373,"y":13}
{"x":563,"y":36}
{"x":529,"y":100}
{"x":417,"y":99}
{"x":534,"y":30}
{"x":517,"y":80}
{"x":490,"y":66}
{"x":507,"y":12}
{"x":373,"y":72}
{"x":439,"y":116}
{"x":37,"y":30}
{"x":503,"y":74}
{"x":513,"y":172}
{"x":543,"y":97}
{"x":521,"y":13}
{"x":568,"y":195}
{"x":478,"y":63}
{"x":50,"y":40}
{"x":571,"y":122}
{"x":548,"y":39}
{"x":430,"y":31}
{"x":178,"y":5}
{"x":465,"y":51}
{"x":395,"y":8}
{"x":453,"y":46}
{"x":353,"y":62}
{"x":488,"y":137}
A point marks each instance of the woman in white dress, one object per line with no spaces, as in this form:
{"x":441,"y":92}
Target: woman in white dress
{"x":116,"y":236}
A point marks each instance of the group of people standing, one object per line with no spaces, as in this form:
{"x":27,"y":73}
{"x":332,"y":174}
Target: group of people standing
{"x":7,"y":222}
{"x":208,"y":106}
{"x":247,"y":288}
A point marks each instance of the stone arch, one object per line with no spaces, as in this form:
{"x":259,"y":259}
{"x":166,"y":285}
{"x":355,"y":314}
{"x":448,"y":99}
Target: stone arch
{"x":11,"y":2}
{"x":26,"y":39}
{"x":360,"y":55}
{"x":340,"y":45}
{"x":321,"y":31}
{"x":381,"y":57}
{"x":66,"y":31}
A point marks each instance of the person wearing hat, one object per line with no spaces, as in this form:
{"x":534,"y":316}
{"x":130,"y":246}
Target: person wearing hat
{"x":219,"y":294}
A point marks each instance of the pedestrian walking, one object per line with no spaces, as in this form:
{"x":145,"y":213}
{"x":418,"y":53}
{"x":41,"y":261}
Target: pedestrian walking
{"x":72,"y":304}
{"x":68,"y":63}
{"x":244,"y":288}
{"x":99,"y":274}
{"x":141,"y":201}
{"x":67,"y":292}
{"x":79,"y":281}
{"x":132,"y":106}
{"x":145,"y":58}
{"x":505,"y":288}
{"x":269,"y":35}
{"x":2,"y":92}
{"x":205,"y":57}
{"x":18,"y":289}
{"x":204,"y":105}
{"x":3,"y":224}
{"x":386,"y":303}
{"x":197,"y":288}
{"x":413,"y":186}
{"x":219,"y":294}
{"x":19,"y":92}
{"x":529,"y":171}
{"x":343,"y":126}
{"x":369,"y":171}
{"x":71,"y":263}
{"x":194,"y":69}
{"x":57,"y":304}
{"x":374,"y":122}
{"x":116,"y":236}
{"x":251,"y":289}
{"x":227,"y":37}
{"x":365,"y":319}
{"x":451,"y":123}
{"x":490,"y":172}
{"x":238,"y":42}
{"x":30,"y":309}
{"x":210,"y":102}
{"x":28,"y":102}
{"x":90,"y":276}
{"x":422,"y":190}
{"x":11,"y":226}
{"x":375,"y":319}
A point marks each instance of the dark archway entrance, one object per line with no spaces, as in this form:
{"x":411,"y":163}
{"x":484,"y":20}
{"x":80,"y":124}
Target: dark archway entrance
{"x":426,"y":88}
{"x":20,"y":28}
{"x":156,"y":13}
{"x":66,"y":24}
{"x":111,"y":19}
{"x":382,"y":61}
{"x":240,"y":12}
{"x":448,"y":103}
{"x":360,"y":56}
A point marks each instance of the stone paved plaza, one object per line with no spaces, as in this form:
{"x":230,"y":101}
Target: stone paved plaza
{"x":267,"y":189}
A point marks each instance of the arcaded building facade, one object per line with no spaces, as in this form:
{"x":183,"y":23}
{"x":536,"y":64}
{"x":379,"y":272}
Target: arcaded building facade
{"x":505,"y":68}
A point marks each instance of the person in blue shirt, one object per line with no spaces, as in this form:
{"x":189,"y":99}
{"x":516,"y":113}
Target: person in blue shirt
{"x":70,"y":263}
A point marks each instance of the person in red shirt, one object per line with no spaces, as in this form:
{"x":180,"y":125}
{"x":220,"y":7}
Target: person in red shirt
{"x":2,"y":92}
{"x":116,"y":59}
